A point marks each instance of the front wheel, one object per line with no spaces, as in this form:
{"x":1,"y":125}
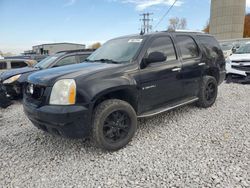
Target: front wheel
{"x":208,"y":92}
{"x":114,"y":124}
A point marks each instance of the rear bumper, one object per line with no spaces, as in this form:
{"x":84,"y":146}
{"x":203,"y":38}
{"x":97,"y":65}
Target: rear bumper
{"x":66,"y":121}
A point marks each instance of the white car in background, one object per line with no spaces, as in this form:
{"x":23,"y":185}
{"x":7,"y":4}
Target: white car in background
{"x":238,"y":65}
{"x":227,"y":49}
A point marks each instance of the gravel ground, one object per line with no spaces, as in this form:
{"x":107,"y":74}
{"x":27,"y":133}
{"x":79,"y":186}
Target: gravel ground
{"x":187,"y":147}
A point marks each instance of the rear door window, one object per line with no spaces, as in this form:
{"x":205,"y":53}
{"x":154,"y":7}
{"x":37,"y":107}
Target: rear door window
{"x":18,"y":64}
{"x":188,"y":47}
{"x":3,"y":65}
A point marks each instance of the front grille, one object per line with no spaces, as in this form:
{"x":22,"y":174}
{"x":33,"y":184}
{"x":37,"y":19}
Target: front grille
{"x":36,"y":94}
{"x":35,"y":91}
{"x":242,"y":68}
{"x":246,"y":61}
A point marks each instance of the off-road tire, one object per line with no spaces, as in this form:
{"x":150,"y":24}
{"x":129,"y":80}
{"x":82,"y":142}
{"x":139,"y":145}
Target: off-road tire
{"x":101,"y":112}
{"x":203,"y":102}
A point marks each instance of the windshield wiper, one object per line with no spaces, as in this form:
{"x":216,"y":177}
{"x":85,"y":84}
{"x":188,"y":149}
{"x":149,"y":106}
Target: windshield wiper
{"x":88,"y":60}
{"x":108,"y":61}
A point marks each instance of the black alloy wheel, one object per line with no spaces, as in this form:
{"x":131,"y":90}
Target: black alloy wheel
{"x":210,"y":91}
{"x":116,"y":126}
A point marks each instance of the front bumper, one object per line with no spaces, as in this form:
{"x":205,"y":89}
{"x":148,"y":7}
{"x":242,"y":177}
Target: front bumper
{"x":66,"y":121}
{"x":12,"y":90}
{"x":238,"y":73}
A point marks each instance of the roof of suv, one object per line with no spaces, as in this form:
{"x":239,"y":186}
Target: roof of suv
{"x":162,"y":32}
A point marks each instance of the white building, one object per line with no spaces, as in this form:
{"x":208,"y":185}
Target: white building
{"x":53,"y":48}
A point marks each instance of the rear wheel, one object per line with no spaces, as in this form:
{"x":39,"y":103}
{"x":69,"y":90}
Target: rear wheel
{"x":114,"y":124}
{"x":208,"y":92}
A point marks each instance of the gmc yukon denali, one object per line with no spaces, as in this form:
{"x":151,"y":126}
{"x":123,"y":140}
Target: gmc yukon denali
{"x":127,"y":78}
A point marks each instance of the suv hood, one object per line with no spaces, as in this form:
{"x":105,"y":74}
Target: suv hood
{"x":9,"y":73}
{"x":240,"y":57}
{"x":49,"y":76}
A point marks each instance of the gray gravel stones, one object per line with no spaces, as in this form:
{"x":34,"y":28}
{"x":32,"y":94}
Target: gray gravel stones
{"x":187,"y":147}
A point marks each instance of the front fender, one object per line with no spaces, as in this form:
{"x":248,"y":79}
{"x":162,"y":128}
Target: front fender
{"x":96,"y":88}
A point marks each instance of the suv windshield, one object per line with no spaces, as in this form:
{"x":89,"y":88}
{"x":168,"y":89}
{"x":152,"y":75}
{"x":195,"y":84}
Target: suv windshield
{"x":117,"y":51}
{"x":45,"y":63}
{"x":245,"y":49}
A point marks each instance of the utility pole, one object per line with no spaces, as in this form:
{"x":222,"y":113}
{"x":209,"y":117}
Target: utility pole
{"x":146,"y":27}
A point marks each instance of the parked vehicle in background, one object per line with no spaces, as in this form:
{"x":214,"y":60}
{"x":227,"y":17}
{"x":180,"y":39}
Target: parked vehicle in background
{"x":8,"y":64}
{"x":12,"y":81}
{"x":35,"y":57}
{"x":127,"y":78}
{"x":231,"y":46}
{"x":238,"y":65}
{"x":227,"y":49}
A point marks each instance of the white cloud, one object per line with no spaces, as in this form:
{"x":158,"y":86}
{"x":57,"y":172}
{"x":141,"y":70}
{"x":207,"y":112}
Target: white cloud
{"x":143,"y":4}
{"x":69,"y":3}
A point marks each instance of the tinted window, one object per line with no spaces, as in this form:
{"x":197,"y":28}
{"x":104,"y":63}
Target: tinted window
{"x":18,"y":64}
{"x":188,"y":47}
{"x":48,"y":61}
{"x":3,"y":65}
{"x":211,"y":47}
{"x":83,"y":57}
{"x":66,"y":61}
{"x":163,"y":45}
{"x":121,"y":50}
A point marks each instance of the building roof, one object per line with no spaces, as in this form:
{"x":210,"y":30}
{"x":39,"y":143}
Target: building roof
{"x":60,"y":43}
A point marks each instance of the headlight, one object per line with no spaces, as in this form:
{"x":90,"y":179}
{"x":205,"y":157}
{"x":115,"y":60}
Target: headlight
{"x":12,"y":79}
{"x":63,"y":92}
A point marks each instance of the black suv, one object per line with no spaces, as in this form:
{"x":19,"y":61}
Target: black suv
{"x":127,"y":78}
{"x":12,"y":81}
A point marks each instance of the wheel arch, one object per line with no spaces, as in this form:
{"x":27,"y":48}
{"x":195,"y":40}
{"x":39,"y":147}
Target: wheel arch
{"x":214,"y":72}
{"x":125,"y":93}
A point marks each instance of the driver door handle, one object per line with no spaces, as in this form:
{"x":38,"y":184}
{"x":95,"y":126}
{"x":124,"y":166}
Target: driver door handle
{"x":202,"y":64}
{"x":176,"y":69}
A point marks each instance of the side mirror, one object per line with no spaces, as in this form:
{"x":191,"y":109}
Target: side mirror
{"x":234,"y":50}
{"x":154,"y":57}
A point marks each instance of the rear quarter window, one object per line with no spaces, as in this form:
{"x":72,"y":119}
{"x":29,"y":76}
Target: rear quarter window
{"x":211,"y":47}
{"x":3,"y":65}
{"x":18,"y":64}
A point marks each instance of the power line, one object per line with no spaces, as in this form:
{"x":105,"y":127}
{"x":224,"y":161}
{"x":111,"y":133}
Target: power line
{"x":165,"y":14}
{"x":146,"y":27}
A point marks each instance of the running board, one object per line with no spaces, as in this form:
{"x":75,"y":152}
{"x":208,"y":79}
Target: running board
{"x":167,"y":108}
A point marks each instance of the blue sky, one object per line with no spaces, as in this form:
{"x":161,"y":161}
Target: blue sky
{"x":24,"y":23}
